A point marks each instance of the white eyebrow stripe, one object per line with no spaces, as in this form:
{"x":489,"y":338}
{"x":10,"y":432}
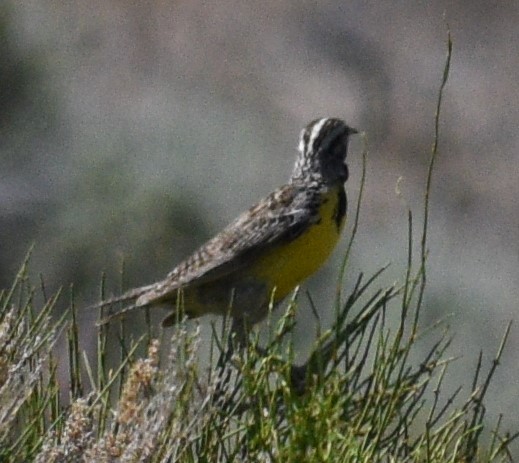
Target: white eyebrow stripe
{"x":301,"y":146}
{"x":316,"y":130}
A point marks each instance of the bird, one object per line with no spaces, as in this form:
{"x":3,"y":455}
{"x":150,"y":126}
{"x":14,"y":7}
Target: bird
{"x":267,"y":251}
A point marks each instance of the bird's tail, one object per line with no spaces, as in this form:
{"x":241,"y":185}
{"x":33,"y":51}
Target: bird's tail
{"x":127,"y":297}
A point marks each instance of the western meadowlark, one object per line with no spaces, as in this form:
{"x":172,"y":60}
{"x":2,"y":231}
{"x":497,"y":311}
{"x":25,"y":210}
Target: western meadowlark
{"x":269,"y":249}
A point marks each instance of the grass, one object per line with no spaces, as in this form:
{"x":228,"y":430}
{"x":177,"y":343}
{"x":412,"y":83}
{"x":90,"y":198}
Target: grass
{"x":364,"y":399}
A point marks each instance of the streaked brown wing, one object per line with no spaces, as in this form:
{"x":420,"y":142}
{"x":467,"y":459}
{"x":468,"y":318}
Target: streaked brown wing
{"x":281,"y":216}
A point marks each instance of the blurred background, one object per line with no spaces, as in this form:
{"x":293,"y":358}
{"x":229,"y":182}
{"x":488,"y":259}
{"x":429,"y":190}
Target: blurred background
{"x":133,"y":131}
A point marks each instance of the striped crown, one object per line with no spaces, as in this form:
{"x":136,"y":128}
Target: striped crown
{"x":322,"y":152}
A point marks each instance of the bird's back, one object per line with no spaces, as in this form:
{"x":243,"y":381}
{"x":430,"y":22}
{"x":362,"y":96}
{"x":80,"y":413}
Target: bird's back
{"x":288,"y":263}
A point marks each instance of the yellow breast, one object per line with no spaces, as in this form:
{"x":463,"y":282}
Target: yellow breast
{"x":288,"y":265}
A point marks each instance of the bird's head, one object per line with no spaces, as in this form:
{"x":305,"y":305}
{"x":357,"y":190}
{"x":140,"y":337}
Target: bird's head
{"x":322,"y":152}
